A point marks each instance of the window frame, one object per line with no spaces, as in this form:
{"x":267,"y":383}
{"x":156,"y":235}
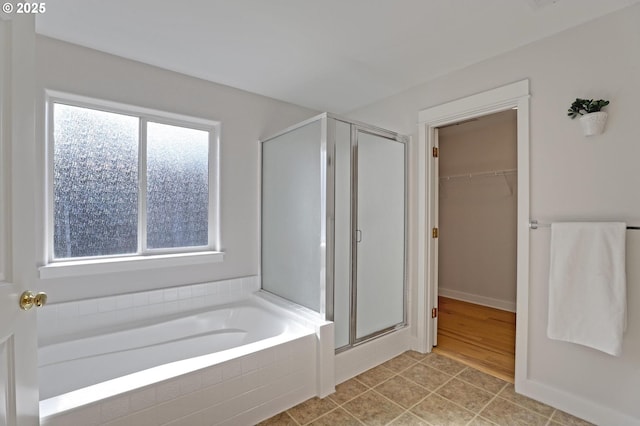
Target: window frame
{"x":55,"y":267}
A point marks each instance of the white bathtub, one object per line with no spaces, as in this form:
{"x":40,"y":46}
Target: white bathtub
{"x":229,"y":364}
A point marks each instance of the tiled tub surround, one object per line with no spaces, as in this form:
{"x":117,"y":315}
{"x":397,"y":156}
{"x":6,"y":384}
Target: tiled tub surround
{"x":62,"y":321}
{"x":241,"y":385}
{"x":416,"y":389}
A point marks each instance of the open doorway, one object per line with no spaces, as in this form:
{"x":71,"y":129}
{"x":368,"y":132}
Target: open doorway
{"x":477,"y":242}
{"x":513,"y":95}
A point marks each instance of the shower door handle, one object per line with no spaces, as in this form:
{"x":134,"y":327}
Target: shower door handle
{"x":358,"y":236}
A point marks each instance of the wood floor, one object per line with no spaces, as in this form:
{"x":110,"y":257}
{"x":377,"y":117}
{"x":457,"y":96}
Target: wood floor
{"x":481,"y":337}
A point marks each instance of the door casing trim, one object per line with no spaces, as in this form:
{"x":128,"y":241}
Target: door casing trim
{"x":515,"y":95}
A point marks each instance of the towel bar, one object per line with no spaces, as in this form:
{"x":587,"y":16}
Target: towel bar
{"x":534,"y":224}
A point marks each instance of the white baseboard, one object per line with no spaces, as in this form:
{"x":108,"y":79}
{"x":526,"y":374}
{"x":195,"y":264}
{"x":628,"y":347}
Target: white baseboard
{"x":504,"y":305}
{"x":572,"y":404}
{"x":361,"y":358}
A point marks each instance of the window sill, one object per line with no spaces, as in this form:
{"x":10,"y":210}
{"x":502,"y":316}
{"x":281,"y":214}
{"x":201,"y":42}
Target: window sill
{"x":124,"y":264}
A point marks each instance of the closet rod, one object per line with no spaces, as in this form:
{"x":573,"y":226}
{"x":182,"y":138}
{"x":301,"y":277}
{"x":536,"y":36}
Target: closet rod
{"x":533,"y":224}
{"x":482,"y":174}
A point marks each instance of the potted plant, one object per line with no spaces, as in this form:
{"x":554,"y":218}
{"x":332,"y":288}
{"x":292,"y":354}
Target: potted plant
{"x":592,"y":118}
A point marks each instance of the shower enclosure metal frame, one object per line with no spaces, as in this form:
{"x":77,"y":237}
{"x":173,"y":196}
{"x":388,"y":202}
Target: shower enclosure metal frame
{"x":327,"y":190}
{"x":356,"y":128}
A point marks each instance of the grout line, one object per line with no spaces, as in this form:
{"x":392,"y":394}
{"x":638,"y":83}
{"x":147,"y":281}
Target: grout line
{"x":480,"y":387}
{"x":527,"y":408}
{"x":405,"y":410}
{"x":331,"y":411}
{"x":478,"y":416}
{"x":453,"y":402}
{"x":409,"y":413}
{"x":352,"y":398}
{"x":291,"y":417}
{"x":418,"y":403}
{"x":294,"y":420}
{"x":371,"y":388}
{"x":388,"y":399}
{"x":350,"y":413}
{"x":396,"y":418}
{"x":489,"y":402}
{"x":434,"y":391}
{"x":354,"y":416}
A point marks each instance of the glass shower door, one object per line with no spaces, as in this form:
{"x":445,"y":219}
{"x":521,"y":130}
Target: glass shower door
{"x":380,"y":233}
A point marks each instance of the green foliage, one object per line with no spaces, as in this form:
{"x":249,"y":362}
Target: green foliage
{"x":585,"y":106}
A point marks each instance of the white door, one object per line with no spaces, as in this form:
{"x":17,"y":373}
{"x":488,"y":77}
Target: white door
{"x":18,"y":340}
{"x":434,"y":232}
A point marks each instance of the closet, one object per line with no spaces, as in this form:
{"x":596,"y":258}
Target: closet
{"x":477,"y":241}
{"x":334,"y":224}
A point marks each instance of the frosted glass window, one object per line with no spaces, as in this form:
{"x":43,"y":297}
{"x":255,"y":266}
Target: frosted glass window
{"x":177,"y":186}
{"x":95,"y":182}
{"x":127,"y":184}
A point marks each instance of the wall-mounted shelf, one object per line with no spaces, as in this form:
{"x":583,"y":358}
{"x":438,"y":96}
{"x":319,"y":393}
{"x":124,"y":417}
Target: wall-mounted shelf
{"x":470,"y":177}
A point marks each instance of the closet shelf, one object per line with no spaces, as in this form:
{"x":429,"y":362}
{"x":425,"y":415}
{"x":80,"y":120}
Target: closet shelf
{"x":506,"y":172}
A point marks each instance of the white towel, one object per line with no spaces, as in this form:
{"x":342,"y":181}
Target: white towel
{"x":587,"y":284}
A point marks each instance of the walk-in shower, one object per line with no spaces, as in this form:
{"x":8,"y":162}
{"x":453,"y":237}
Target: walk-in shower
{"x":334,"y":224}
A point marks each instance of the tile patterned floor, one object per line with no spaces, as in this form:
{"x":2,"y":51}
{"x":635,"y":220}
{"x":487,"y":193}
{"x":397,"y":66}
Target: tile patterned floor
{"x":414,"y":389}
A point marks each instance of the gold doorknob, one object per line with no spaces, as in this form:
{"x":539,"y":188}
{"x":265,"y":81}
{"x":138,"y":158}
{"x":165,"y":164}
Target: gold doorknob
{"x":29,"y":299}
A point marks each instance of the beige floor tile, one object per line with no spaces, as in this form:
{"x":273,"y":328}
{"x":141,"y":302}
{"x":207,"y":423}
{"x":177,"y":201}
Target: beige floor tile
{"x":282,"y":419}
{"x":424,"y":390}
{"x":567,"y":419}
{"x":438,"y":411}
{"x":408,"y":419}
{"x":375,"y":376}
{"x":399,"y":363}
{"x":505,"y":413}
{"x":509,"y":393}
{"x":425,"y":376}
{"x":336,"y":417}
{"x":482,"y":380}
{"x":443,"y":363}
{"x":348,"y":390}
{"x":371,"y":408}
{"x":402,"y":391}
{"x":466,"y":395}
{"x":311,"y":409}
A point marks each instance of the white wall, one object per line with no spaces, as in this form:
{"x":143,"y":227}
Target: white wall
{"x":572,"y":178}
{"x":245,"y":119}
{"x":478,"y":216}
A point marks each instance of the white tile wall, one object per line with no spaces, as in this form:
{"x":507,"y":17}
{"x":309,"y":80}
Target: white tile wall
{"x":94,"y":316}
{"x":241,"y":391}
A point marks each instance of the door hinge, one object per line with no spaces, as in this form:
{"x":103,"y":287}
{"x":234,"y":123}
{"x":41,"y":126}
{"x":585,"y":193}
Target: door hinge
{"x":434,"y":313}
{"x":434,"y":233}
{"x":434,"y":152}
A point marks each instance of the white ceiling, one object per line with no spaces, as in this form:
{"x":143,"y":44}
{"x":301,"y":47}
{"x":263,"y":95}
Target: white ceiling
{"x":330,"y":55}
